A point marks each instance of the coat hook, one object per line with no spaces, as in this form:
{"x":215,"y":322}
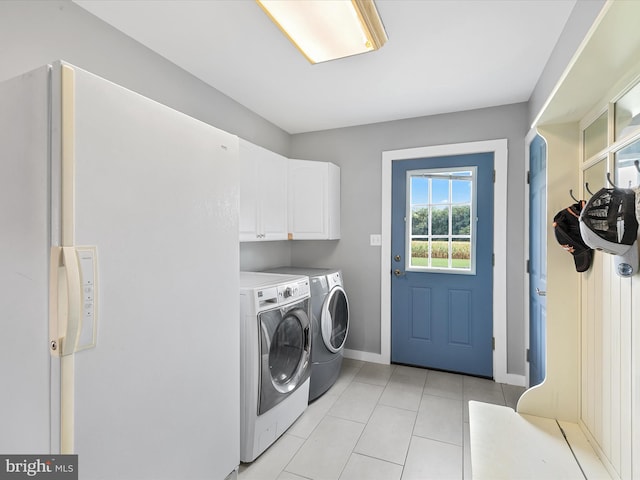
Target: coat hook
{"x":609,"y":180}
{"x":586,"y":186}
{"x":572,"y":196}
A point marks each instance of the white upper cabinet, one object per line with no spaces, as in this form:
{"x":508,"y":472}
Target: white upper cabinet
{"x":314,"y":200}
{"x":263,"y":194}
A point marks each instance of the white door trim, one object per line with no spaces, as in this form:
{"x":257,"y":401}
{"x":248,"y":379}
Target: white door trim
{"x":499,"y":149}
{"x":527,"y":229}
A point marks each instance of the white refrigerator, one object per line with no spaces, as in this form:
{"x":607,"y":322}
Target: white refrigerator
{"x":119,"y":281}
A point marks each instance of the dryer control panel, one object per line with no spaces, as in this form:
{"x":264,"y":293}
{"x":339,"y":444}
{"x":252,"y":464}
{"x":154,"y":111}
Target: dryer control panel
{"x":334,"y":279}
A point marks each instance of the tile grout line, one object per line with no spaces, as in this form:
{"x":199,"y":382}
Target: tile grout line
{"x":368,"y":418}
{"x":314,"y":429}
{"x":463,"y":422}
{"x":406,"y":455}
{"x":397,"y":379}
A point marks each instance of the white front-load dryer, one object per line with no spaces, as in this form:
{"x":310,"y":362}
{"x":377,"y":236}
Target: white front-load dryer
{"x":330,"y":320}
{"x":275,"y":357}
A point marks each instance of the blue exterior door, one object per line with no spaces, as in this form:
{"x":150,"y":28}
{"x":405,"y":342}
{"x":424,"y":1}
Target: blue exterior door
{"x":442,"y":263}
{"x":537,"y":259}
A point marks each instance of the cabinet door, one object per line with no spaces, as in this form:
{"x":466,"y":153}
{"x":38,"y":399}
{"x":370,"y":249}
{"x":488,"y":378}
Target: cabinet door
{"x":314,"y":200}
{"x":263,"y":194}
{"x":307,"y":200}
{"x":272,"y":205}
{"x":248,"y":154}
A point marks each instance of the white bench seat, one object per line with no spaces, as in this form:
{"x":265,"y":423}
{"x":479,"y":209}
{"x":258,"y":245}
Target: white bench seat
{"x":508,"y":445}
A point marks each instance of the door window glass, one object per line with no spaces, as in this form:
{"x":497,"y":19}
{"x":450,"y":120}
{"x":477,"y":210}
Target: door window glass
{"x":441,"y":204}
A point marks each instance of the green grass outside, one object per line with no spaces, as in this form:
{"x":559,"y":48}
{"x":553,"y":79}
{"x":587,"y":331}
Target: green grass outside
{"x":440,"y":262}
{"x":439,"y":252}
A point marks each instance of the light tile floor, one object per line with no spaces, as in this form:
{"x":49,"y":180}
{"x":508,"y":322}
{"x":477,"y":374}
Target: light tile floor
{"x":386,"y":422}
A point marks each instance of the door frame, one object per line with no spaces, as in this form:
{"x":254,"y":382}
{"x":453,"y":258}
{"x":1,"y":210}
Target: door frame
{"x":499,"y":148}
{"x":527,"y":228}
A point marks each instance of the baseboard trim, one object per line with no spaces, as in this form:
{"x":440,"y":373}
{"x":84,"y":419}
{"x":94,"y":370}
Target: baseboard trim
{"x":365,"y":356}
{"x":517,"y":380}
{"x":510,"y":378}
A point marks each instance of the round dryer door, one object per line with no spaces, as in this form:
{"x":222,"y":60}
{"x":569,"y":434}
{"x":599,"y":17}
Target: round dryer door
{"x":335,"y":319}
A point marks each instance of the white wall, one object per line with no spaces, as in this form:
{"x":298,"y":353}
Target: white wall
{"x":609,"y":308}
{"x":593,"y":369}
{"x":582,"y":16}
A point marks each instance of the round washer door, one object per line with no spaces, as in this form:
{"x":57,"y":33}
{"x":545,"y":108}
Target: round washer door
{"x":285,"y":350}
{"x":335,"y":319}
{"x":289,"y":351}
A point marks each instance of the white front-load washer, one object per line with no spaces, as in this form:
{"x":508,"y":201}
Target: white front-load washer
{"x":330,"y":324}
{"x":275,"y":357}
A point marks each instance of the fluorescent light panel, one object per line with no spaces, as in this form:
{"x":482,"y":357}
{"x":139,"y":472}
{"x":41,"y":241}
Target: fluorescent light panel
{"x":328,"y":29}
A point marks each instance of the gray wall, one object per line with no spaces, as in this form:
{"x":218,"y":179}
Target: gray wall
{"x":358,"y":152}
{"x":36,"y":32}
{"x":257,"y":256}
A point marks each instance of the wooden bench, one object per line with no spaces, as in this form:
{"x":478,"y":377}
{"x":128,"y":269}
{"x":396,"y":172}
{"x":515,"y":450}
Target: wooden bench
{"x":509,"y":445}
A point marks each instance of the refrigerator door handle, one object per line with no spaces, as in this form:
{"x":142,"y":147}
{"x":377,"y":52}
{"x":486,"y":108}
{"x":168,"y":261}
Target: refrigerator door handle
{"x":65,"y":301}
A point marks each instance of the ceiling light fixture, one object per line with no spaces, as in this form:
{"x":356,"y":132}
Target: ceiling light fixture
{"x":328,"y":29}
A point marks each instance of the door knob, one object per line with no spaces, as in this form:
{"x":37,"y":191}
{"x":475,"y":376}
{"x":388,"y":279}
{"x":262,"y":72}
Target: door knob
{"x":397,"y":258}
{"x":397,"y":272}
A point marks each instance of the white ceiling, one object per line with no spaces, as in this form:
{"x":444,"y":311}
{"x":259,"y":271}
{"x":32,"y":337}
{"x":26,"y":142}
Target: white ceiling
{"x":442,"y":56}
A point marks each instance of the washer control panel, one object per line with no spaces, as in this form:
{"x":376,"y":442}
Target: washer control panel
{"x":293,"y":291}
{"x":270,"y":290}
